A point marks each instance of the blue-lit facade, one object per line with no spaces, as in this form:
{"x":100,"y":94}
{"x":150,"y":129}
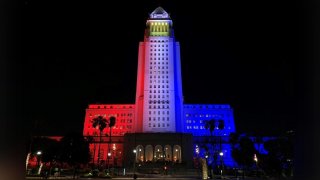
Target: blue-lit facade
{"x":194,"y":118}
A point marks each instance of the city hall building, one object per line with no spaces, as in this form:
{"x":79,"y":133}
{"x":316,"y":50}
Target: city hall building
{"x":160,"y":126}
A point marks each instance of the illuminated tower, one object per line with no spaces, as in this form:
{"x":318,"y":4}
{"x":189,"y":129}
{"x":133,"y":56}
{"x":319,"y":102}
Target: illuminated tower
{"x":159,"y":99}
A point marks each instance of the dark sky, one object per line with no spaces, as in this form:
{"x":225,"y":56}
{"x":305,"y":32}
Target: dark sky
{"x":242,"y":53}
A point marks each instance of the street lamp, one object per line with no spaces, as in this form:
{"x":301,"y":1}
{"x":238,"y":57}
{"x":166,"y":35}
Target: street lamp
{"x":221,"y":162}
{"x":208,"y":173}
{"x":197,"y":150}
{"x":38,"y":157}
{"x":134,"y":161}
{"x":255,"y":159}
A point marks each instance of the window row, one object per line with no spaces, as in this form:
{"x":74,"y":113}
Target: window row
{"x":159,"y":40}
{"x":158,"y":102}
{"x":107,"y":115}
{"x":193,"y":121}
{"x":159,"y":86}
{"x":125,"y":121}
{"x":158,"y":45}
{"x":159,"y":112}
{"x":159,"y":81}
{"x":159,"y":96}
{"x":217,"y":116}
{"x":159,"y":77}
{"x":158,"y":49}
{"x":158,"y":63}
{"x":162,"y":91}
{"x":159,"y":67}
{"x":159,"y":107}
{"x":195,"y":127}
{"x":159,"y":118}
{"x":154,"y":59}
{"x":159,"y":54}
{"x":159,"y":72}
{"x":159,"y":125}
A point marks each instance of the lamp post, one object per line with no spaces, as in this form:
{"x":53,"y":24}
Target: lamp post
{"x":38,"y":157}
{"x":255,"y":159}
{"x":134,"y":161}
{"x":39,"y":153}
{"x":112,"y":122}
{"x":221,"y":162}
{"x":207,"y":164}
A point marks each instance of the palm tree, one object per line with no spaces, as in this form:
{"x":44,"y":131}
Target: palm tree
{"x":211,"y":125}
{"x":99,"y":123}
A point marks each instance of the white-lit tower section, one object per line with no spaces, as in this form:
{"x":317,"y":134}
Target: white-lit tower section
{"x":159,"y":89}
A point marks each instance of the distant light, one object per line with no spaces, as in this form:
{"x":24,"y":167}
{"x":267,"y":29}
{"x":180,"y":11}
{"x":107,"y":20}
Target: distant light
{"x":221,"y":153}
{"x":134,"y":151}
{"x":255,"y":158}
{"x":39,"y":153}
{"x":206,"y":156}
{"x":109,"y":154}
{"x":176,"y":150}
{"x":139,"y":149}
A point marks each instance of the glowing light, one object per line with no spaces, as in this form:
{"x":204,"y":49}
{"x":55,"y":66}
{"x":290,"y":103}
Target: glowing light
{"x":134,"y":151}
{"x":109,"y":154}
{"x":221,"y":153}
{"x":255,"y":158}
{"x":39,"y":153}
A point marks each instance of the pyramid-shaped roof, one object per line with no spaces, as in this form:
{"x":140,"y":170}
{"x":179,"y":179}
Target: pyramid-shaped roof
{"x":159,"y":13}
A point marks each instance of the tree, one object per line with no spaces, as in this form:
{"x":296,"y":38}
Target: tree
{"x":234,"y":138}
{"x":210,"y":125}
{"x":279,"y":158}
{"x":90,"y":140}
{"x":99,"y":123}
{"x":111,"y":123}
{"x":74,"y":150}
{"x":243,"y":150}
{"x":48,"y":148}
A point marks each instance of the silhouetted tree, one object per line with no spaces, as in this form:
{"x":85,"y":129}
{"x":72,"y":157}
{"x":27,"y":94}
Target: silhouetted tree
{"x":243,"y":151}
{"x":48,"y":148}
{"x":234,"y":139}
{"x":100,"y":123}
{"x":210,"y":125}
{"x":279,"y":159}
{"x":74,"y":150}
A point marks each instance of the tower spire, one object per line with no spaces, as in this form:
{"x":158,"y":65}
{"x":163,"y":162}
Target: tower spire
{"x":159,"y":13}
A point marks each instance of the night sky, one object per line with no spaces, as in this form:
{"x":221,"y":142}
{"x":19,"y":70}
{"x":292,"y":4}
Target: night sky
{"x":242,"y":53}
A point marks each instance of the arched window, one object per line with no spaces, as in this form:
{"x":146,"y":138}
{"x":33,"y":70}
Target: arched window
{"x":149,"y":153}
{"x":140,"y":153}
{"x":168,"y":153}
{"x":177,"y":153}
{"x":158,"y":153}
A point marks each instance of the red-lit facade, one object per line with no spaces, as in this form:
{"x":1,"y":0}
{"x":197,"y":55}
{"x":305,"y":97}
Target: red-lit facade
{"x":125,"y":116}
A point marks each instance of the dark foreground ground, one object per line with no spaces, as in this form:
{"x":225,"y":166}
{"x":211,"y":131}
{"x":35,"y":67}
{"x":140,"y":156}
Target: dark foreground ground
{"x":159,"y":177}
